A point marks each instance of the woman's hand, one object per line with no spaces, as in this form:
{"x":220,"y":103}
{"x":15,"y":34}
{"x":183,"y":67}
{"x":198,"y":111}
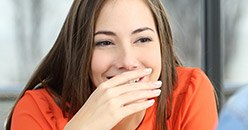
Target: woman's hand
{"x":114,"y":100}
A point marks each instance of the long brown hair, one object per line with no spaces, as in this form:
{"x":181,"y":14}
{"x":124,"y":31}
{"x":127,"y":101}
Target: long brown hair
{"x":65,"y":71}
{"x":169,"y":63}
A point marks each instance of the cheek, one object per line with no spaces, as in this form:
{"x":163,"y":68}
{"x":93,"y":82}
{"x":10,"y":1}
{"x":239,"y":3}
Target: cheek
{"x":99,"y":65}
{"x":152,"y":59}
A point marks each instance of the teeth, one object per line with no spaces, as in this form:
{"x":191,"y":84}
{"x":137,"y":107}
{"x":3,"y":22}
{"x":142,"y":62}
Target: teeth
{"x":134,"y":81}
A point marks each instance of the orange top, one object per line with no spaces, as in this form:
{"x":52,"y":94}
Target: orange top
{"x":194,"y":107}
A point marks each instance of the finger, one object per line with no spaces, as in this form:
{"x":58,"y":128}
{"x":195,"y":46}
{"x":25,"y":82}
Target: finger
{"x":136,"y":107}
{"x":134,"y":97}
{"x":135,"y":87}
{"x":126,"y":77}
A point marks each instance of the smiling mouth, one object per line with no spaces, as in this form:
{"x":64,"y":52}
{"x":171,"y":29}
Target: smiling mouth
{"x":110,"y":77}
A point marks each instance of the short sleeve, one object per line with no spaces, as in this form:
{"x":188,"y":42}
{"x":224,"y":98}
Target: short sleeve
{"x":199,"y":111}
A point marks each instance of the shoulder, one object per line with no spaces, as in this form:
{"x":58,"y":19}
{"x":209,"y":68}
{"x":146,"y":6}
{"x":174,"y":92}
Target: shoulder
{"x":193,"y":100}
{"x":36,"y":109}
{"x":33,"y":99}
{"x":191,"y":80}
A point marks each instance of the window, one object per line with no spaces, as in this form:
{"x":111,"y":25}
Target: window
{"x":186,"y":28}
{"x":234,"y":38}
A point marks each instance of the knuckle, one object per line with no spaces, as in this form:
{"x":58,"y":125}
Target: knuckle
{"x":108,"y":93}
{"x":102,"y":86}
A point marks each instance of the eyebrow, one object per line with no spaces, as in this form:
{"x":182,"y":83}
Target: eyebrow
{"x":141,"y":30}
{"x":134,"y":32}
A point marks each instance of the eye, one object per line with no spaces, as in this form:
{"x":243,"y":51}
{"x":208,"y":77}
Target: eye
{"x":143,"y":40}
{"x":104,"y":43}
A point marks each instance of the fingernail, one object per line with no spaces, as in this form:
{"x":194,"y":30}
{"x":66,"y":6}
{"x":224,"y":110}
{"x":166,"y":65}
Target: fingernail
{"x":147,"y":70}
{"x":157,"y":91}
{"x":157,"y":84}
{"x":151,"y":101}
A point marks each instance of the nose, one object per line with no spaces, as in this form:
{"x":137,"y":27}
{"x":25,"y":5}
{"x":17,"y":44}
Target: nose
{"x":127,"y":59}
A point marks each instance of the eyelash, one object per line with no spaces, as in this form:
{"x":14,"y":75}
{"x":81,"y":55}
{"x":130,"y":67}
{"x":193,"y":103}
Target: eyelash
{"x":143,"y":40}
{"x":104,"y":43}
{"x":108,"y":43}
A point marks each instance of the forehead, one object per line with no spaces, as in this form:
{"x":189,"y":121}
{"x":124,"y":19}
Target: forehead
{"x":125,"y":13}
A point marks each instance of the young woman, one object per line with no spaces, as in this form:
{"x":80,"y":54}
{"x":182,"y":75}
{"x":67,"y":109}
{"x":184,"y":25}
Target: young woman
{"x":113,"y":67}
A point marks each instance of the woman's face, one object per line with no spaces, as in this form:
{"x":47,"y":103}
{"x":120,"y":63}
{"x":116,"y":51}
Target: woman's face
{"x":125,"y":39}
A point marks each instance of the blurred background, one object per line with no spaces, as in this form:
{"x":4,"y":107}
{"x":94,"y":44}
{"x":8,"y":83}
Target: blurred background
{"x":28,"y":29}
